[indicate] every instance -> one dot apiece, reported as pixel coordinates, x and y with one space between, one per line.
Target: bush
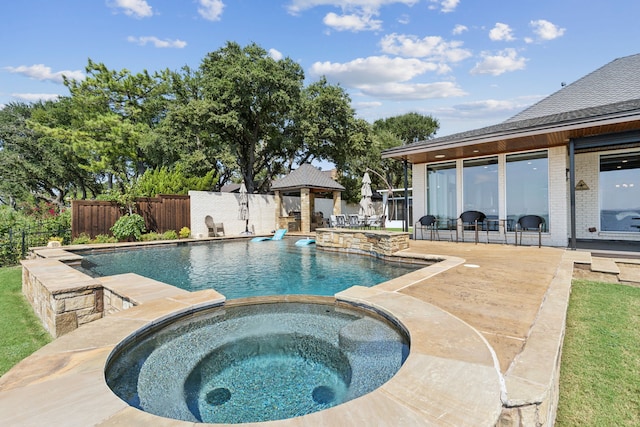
152 235
184 232
170 235
82 239
128 227
104 238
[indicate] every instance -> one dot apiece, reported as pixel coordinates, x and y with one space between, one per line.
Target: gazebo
308 180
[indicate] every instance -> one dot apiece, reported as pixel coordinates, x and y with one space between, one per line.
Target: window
527 180
441 191
620 192
480 181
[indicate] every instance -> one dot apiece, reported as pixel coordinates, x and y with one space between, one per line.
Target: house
573 158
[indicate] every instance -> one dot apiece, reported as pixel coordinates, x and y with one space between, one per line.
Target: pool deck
486 328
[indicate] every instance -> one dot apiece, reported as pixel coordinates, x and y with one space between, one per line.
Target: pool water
242 268
258 362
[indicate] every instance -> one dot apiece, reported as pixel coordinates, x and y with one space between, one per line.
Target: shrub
128 227
184 232
104 238
56 239
152 235
82 239
169 235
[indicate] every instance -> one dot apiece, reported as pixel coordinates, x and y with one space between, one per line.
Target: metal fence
15 244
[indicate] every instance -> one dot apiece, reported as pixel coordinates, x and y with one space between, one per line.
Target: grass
20 330
600 371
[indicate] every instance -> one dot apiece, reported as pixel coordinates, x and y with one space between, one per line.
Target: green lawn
600 372
20 330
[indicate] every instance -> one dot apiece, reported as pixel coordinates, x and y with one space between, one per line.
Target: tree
326 127
408 128
251 96
114 113
36 165
187 138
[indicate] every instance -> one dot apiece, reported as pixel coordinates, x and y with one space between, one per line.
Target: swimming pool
241 268
258 362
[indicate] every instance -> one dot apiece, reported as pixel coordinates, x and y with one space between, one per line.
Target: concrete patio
486 328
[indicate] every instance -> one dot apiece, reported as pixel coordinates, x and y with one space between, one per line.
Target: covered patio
310 182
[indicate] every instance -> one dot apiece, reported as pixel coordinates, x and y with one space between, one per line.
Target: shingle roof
306 176
610 91
612 83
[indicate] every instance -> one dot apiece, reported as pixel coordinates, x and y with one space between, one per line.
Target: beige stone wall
375 242
62 297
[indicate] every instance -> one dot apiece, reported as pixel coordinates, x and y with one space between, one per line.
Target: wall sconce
567 174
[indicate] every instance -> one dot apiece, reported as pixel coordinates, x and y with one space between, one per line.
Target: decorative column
278 212
305 208
337 203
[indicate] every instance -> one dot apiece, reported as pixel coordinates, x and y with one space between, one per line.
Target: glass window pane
441 191
620 192
480 182
527 180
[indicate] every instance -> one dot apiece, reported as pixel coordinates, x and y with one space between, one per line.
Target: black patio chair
532 223
428 222
470 220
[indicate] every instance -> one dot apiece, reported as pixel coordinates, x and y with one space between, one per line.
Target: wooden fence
161 213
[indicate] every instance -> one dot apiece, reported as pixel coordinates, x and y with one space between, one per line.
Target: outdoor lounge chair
215 229
533 223
470 220
278 235
429 222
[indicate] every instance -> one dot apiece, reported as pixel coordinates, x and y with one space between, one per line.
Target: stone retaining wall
374 242
62 297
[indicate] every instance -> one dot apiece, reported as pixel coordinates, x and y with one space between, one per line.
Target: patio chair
215 229
529 223
470 220
428 222
354 221
378 222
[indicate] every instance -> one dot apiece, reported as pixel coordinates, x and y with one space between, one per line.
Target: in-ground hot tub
257 362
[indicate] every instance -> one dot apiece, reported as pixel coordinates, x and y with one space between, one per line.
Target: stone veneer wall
376 242
62 297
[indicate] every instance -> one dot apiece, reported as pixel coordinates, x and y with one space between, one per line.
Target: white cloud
366 105
432 47
356 15
297 6
135 8
506 60
501 32
412 91
275 54
35 97
445 6
373 70
44 73
211 10
352 22
545 30
459 29
156 42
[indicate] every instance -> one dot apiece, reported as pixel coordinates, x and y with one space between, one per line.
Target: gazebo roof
306 176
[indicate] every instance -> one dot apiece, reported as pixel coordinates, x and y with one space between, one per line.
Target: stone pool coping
420 394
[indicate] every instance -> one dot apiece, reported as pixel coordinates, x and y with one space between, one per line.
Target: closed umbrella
366 205
243 213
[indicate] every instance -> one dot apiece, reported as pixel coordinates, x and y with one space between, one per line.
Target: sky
467 63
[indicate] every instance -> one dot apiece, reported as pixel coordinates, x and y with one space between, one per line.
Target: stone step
604 265
629 273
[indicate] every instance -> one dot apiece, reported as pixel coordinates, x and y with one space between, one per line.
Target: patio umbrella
366 205
243 213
